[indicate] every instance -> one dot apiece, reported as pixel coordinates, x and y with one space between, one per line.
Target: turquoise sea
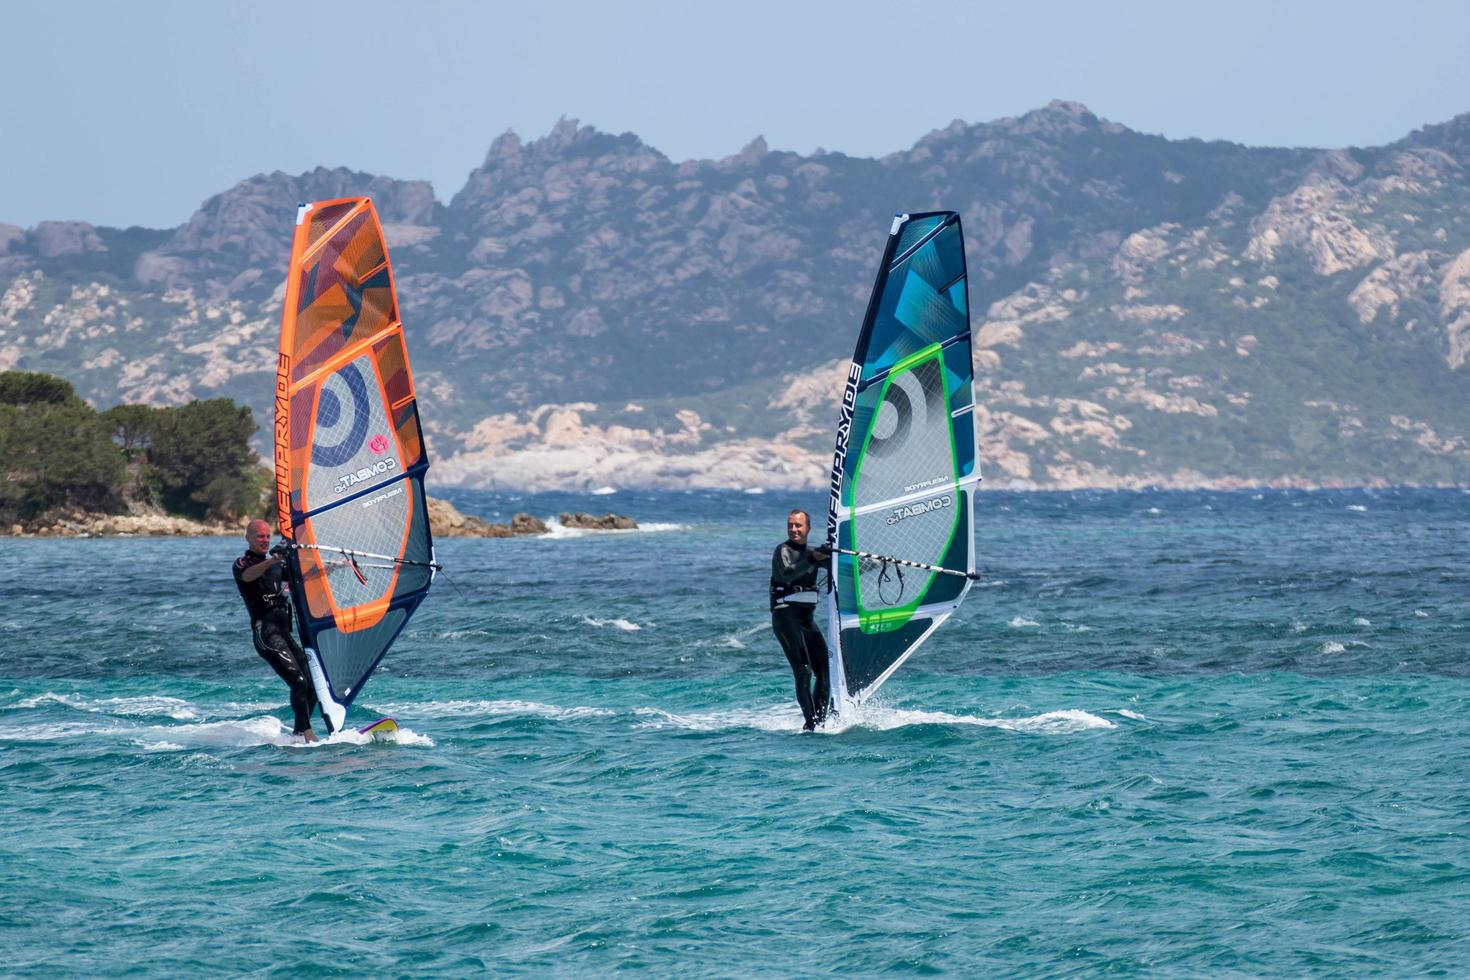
1171 733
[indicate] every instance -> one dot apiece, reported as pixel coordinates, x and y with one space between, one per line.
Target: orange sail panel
350 456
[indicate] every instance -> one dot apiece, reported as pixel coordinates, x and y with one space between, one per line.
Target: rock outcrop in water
607 522
446 521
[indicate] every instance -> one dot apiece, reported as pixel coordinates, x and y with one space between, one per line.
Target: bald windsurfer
794 600
259 574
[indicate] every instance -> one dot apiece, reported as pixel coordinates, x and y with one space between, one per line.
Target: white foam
1331 647
622 624
556 531
145 706
754 491
1357 508
228 733
604 491
249 707
1131 714
773 719
1020 622
351 736
475 709
882 718
234 733
462 634
1421 614
1362 621
50 733
872 717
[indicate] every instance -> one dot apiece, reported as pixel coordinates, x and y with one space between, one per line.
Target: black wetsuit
794 599
269 604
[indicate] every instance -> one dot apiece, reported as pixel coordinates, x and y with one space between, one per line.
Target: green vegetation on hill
194 460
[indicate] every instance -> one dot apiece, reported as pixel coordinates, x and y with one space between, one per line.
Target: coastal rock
70 523
526 524
607 522
447 521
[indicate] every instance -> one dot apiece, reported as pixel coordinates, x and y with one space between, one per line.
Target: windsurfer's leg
299 655
816 654
788 631
275 648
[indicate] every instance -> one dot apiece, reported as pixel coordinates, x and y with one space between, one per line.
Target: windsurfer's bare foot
310 736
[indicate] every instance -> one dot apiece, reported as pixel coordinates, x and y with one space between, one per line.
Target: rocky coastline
445 521
84 524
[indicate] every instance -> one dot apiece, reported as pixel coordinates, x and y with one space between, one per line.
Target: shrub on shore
57 451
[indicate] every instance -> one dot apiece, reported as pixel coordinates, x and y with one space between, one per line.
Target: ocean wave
143 706
55 732
868 717
466 708
772 719
736 640
1020 622
556 532
622 624
882 718
265 730
226 733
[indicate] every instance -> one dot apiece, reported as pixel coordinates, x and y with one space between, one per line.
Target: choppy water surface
1172 732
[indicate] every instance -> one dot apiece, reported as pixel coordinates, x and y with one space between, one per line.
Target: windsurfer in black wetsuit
258 574
794 600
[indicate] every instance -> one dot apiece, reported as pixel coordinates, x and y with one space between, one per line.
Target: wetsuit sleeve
789 564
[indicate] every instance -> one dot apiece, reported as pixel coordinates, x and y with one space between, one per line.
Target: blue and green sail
904 471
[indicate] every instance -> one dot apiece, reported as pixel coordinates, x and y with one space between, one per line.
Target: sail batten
905 468
350 455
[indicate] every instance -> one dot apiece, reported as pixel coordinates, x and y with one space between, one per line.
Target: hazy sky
134 113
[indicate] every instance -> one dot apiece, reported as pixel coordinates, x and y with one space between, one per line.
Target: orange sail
350 457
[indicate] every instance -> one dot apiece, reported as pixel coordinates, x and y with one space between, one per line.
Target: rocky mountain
585 311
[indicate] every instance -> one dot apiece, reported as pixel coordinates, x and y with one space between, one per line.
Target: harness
793 594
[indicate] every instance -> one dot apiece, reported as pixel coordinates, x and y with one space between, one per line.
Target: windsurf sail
900 515
350 456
